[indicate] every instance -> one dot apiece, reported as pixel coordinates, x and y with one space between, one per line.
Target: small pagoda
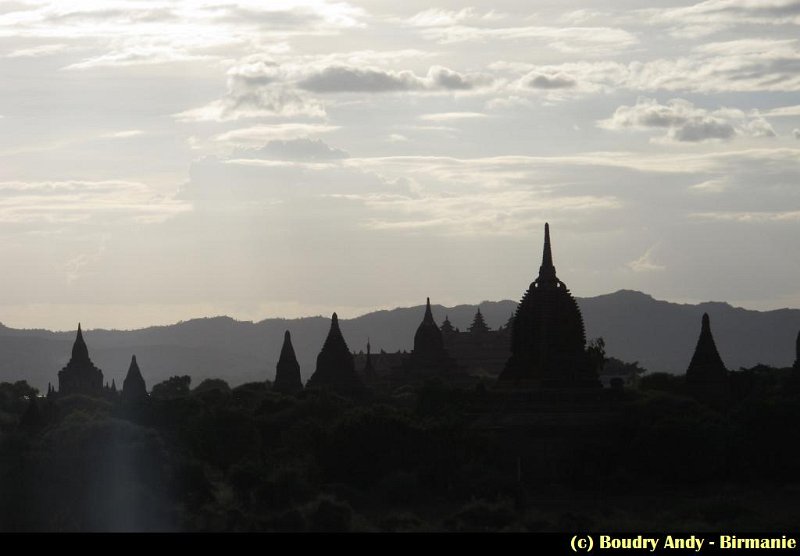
134 390
707 377
336 369
287 372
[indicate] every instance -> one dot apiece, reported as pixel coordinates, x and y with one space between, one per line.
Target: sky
162 160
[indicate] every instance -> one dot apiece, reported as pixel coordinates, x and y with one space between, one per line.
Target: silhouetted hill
658 334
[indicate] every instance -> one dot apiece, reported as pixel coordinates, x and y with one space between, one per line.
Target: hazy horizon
87 326
171 160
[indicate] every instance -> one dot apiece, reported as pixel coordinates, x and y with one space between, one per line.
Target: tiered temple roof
478 325
548 339
80 376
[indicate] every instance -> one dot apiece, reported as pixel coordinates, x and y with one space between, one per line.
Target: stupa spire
547 272
428 318
335 365
133 387
287 372
79 350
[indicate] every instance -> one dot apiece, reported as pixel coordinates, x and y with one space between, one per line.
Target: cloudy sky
162 160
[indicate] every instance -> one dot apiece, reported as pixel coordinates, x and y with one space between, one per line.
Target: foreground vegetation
214 458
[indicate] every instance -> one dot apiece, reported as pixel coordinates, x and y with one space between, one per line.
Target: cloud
129 32
710 186
796 133
749 216
742 65
711 16
646 263
296 149
783 111
593 41
264 87
37 51
437 17
684 122
83 201
536 80
125 134
347 79
340 79
450 116
261 134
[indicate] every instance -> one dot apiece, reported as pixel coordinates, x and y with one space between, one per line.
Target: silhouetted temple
478 351
707 377
797 353
336 369
478 325
80 376
133 387
287 372
429 356
548 339
369 370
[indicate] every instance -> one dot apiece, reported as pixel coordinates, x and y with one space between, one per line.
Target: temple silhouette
548 342
287 372
133 387
542 347
429 356
80 376
706 376
336 370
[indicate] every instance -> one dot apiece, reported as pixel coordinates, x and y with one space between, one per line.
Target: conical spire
133 387
706 364
79 350
287 372
335 366
428 318
113 386
428 337
547 272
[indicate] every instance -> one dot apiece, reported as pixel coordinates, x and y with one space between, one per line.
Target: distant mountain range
659 335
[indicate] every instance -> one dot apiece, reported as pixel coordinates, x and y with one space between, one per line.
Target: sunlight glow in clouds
226 156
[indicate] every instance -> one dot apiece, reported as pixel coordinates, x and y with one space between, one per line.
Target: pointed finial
287 337
547 272
368 346
706 323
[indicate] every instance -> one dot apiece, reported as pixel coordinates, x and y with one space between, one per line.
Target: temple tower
429 356
478 325
548 339
80 376
287 372
707 377
336 369
134 389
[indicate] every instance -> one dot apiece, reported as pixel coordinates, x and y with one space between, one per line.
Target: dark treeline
416 458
